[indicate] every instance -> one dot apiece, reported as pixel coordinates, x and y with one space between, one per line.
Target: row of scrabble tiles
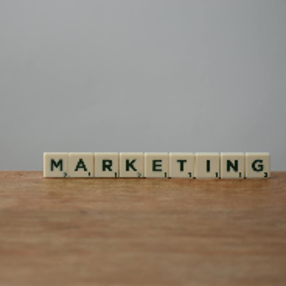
158 165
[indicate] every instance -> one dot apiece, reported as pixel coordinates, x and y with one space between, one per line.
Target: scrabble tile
156 165
232 165
181 165
55 165
81 165
131 165
257 165
106 165
207 165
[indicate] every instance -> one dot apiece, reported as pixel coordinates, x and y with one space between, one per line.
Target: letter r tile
106 165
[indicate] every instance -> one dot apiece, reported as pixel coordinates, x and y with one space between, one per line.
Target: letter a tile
81 165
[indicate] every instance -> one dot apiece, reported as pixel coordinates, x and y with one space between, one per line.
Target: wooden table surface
141 231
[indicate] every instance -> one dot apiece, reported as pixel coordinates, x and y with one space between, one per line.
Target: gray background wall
141 76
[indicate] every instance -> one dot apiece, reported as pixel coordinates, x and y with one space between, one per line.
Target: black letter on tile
59 164
155 165
106 164
260 166
80 164
208 165
130 165
182 164
234 166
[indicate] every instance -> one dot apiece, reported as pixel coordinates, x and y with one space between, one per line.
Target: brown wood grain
142 231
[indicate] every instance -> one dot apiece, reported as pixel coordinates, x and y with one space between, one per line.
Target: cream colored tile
131 165
106 165
182 165
55 165
232 165
81 165
207 165
156 165
257 165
